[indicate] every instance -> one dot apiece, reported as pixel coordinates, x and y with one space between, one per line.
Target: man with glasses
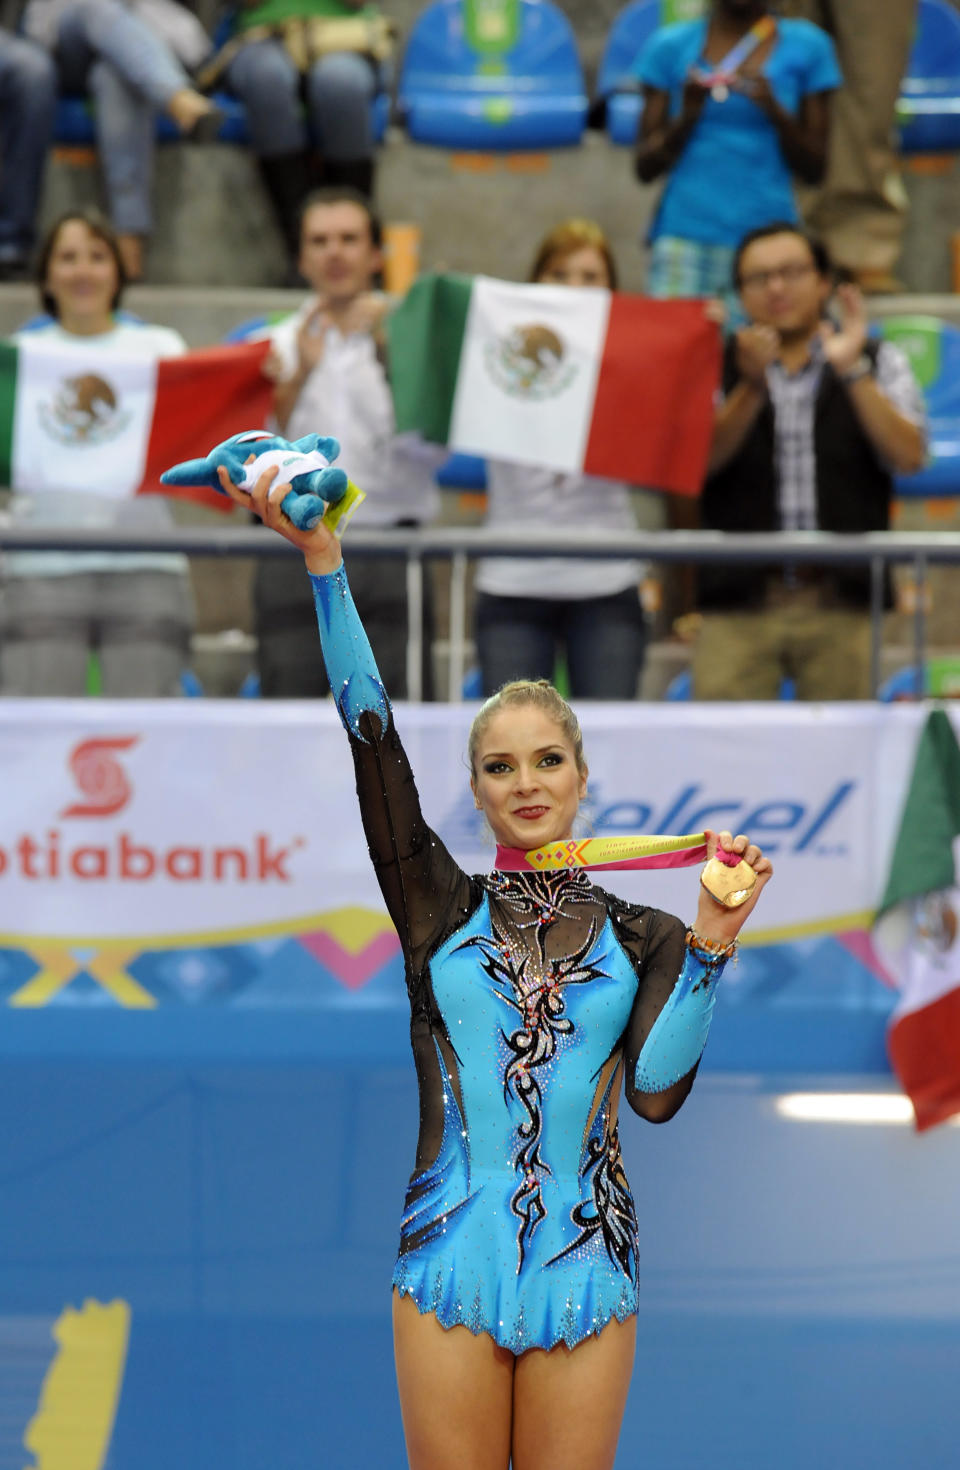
814 419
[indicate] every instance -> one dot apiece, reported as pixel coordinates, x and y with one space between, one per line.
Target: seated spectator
28 98
815 418
728 148
860 212
328 364
528 612
134 611
306 72
130 71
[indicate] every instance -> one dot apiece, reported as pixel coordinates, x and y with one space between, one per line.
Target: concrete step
476 212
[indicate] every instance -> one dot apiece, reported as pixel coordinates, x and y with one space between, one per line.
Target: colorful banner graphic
151 856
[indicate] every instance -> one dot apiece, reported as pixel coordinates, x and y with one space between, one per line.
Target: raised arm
679 971
421 884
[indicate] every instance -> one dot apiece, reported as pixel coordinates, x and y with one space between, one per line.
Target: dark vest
853 488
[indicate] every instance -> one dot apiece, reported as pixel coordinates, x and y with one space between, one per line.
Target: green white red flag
917 932
577 380
110 425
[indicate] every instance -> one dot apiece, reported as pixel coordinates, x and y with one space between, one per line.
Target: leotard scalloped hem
517 1336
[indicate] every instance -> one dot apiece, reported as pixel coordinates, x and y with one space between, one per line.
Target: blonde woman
534 997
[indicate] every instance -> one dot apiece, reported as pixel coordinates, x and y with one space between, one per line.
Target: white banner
176 820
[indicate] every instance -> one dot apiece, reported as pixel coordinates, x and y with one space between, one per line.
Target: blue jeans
28 98
603 639
338 90
131 75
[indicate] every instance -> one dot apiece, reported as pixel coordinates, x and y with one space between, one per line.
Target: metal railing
875 550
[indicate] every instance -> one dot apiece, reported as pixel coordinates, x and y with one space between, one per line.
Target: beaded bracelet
712 947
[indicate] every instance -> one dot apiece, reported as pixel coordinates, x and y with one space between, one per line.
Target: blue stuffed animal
305 462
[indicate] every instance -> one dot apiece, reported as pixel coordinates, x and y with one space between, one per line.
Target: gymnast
534 996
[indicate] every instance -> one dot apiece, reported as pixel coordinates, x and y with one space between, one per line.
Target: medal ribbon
608 853
726 70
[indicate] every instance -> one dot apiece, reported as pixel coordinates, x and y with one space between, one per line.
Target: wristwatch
862 368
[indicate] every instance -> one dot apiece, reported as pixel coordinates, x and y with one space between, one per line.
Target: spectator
59 607
527 611
861 210
729 148
131 74
28 97
287 53
815 418
328 362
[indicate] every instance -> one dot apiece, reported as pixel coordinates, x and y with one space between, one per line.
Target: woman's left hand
714 921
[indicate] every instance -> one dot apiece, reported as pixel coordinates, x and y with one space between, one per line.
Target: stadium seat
933 348
617 87
941 680
255 326
462 472
681 687
929 106
74 125
497 76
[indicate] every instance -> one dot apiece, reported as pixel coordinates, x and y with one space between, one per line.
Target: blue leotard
533 998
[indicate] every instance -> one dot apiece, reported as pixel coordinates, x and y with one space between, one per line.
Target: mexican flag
916 932
75 420
578 380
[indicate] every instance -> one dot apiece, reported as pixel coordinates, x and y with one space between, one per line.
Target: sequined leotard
532 997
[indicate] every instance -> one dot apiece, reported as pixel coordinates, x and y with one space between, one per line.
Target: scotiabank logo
100 776
124 856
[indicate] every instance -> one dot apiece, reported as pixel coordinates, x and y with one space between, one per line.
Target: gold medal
720 92
729 886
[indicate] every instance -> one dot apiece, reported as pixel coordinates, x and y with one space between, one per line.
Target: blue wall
237 1177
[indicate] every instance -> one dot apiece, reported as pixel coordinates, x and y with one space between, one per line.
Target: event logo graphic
529 362
85 410
100 776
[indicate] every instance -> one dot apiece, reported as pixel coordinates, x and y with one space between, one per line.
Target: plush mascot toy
317 491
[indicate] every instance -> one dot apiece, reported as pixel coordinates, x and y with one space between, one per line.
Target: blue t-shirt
732 176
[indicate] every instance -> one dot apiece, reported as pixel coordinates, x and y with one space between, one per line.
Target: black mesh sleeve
423 887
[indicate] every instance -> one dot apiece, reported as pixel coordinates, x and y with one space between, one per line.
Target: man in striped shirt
813 421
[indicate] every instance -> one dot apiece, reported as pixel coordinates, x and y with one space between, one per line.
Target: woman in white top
528 612
134 611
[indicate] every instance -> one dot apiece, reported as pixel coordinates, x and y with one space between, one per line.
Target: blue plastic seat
255 326
518 87
74 124
681 687
617 87
940 680
933 348
462 472
929 106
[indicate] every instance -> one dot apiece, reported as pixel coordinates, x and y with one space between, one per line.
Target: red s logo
100 777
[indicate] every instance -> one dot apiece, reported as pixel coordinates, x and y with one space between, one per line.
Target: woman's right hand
320 547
